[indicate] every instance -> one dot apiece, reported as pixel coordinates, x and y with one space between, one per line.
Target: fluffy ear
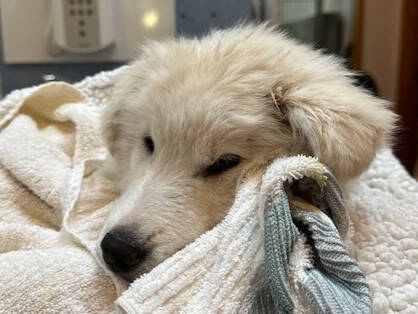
114 117
110 125
115 113
341 124
111 133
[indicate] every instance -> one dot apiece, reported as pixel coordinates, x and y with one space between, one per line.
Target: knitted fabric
331 282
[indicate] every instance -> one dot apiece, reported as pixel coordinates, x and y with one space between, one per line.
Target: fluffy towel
53 204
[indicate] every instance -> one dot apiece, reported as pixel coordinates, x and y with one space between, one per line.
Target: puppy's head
190 115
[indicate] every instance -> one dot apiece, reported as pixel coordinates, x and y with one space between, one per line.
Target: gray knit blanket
307 266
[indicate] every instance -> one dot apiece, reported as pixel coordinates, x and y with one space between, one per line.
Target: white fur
249 91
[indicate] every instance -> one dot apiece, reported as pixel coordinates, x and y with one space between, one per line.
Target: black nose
121 251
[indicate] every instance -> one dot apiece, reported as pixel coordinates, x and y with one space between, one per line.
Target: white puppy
190 115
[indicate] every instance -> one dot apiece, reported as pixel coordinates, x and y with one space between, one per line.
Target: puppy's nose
121 252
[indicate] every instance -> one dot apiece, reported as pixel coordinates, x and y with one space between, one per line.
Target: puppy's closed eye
222 164
149 144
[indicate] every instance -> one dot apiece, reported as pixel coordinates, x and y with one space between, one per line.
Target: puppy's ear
111 133
115 114
114 125
341 124
111 128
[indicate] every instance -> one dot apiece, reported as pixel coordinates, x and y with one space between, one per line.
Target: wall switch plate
82 26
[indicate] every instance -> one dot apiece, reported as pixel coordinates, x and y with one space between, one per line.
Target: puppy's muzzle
121 252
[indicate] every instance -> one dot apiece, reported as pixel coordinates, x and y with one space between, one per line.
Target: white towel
54 202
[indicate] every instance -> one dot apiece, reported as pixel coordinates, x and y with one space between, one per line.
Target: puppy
190 115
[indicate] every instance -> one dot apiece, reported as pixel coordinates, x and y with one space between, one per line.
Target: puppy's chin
131 276
145 267
137 272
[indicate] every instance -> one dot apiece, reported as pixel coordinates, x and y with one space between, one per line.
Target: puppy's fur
248 91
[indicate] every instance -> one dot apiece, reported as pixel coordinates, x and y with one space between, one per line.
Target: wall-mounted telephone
82 26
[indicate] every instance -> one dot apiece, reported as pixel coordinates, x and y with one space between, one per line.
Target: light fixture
150 18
